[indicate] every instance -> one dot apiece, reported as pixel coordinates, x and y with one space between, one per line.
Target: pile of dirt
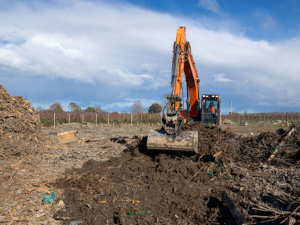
156 188
209 137
142 187
20 130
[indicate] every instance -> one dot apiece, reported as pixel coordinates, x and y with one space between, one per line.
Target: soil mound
209 137
20 130
173 188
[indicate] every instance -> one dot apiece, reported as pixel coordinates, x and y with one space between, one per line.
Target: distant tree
74 107
39 109
137 107
98 109
90 109
56 107
155 108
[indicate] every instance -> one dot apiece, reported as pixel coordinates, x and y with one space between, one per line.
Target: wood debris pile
20 130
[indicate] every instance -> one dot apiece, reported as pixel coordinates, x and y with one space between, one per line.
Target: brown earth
107 174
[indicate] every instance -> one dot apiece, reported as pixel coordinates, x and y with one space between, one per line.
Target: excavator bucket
185 141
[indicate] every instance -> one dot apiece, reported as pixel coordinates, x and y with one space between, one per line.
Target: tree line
137 107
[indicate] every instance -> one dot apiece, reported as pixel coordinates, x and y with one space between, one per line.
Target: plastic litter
234 152
194 158
140 213
228 178
222 167
276 146
210 173
48 199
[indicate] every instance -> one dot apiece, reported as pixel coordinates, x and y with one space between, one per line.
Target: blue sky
113 53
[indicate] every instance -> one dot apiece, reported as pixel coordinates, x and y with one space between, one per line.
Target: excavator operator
212 108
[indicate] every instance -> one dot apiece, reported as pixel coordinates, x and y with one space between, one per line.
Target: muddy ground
103 181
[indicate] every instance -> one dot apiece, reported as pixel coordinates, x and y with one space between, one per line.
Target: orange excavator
170 138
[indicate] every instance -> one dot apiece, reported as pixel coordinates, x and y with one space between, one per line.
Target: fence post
141 118
131 118
160 119
54 119
82 117
39 118
96 118
108 118
69 118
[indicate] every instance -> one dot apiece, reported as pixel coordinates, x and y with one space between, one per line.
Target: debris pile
20 130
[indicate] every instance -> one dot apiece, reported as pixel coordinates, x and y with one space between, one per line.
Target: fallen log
289 133
249 173
67 137
94 140
233 209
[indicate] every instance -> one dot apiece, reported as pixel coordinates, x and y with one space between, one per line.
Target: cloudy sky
113 53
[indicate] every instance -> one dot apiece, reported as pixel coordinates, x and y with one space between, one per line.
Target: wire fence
257 117
50 118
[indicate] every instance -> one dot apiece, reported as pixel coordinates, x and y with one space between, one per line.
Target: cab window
211 103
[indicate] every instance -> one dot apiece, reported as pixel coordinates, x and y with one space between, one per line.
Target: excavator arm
182 63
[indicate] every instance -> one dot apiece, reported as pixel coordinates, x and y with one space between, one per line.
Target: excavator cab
210 109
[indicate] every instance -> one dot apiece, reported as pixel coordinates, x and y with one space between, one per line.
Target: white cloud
265 104
264 20
150 66
221 78
127 79
211 5
108 45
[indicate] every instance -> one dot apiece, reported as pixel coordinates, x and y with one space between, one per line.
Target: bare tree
39 109
74 107
56 107
137 107
98 108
